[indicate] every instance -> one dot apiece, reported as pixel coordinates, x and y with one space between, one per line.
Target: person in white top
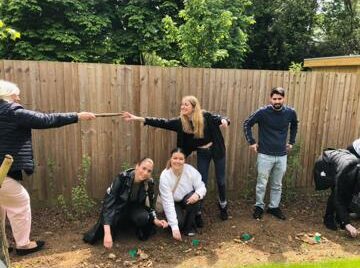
354 148
181 189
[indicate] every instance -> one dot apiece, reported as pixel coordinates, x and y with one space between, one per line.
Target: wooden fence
327 105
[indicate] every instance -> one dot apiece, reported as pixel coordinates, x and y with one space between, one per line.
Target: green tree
283 33
340 28
237 45
64 30
204 37
7 32
138 29
94 31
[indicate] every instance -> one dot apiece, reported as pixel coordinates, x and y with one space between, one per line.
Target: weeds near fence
80 204
292 172
51 174
249 185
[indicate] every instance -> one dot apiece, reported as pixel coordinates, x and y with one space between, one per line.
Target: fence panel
327 105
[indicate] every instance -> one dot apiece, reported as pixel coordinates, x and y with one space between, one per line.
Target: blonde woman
16 124
197 130
181 189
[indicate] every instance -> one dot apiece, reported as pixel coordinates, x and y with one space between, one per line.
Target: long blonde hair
197 118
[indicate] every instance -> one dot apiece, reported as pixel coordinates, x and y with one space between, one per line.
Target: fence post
4 254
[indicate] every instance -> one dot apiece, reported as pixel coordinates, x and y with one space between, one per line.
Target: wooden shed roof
333 61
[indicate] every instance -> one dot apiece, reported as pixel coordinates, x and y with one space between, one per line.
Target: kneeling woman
181 188
129 200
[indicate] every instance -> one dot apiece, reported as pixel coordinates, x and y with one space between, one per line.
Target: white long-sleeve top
190 180
356 145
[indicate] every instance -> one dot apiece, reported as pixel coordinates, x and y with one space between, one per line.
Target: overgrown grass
289 192
343 263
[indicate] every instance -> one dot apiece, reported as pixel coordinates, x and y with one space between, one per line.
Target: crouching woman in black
341 169
129 200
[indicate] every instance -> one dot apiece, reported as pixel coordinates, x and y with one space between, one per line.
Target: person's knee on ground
189 225
144 228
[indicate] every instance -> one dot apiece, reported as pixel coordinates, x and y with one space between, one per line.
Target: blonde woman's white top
190 180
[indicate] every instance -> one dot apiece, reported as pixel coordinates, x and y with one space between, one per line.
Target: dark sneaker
190 232
258 213
277 213
199 221
223 213
22 252
330 223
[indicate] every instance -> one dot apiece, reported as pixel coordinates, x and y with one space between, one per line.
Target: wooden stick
5 166
108 114
4 254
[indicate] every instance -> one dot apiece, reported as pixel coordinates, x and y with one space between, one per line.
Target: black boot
143 233
199 221
223 213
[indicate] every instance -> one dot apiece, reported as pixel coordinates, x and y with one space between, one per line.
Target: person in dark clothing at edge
343 170
130 200
273 121
16 124
197 130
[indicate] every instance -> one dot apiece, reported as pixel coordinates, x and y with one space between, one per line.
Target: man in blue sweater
273 121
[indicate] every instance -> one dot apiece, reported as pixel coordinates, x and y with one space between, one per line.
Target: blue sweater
273 129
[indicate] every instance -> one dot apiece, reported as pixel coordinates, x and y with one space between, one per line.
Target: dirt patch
220 242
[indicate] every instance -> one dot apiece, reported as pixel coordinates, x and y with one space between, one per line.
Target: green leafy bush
80 204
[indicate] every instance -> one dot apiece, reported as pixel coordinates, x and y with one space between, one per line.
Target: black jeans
186 215
204 156
135 216
139 218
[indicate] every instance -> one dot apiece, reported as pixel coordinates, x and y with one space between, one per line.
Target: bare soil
219 242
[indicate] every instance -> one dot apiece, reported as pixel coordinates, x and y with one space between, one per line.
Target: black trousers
135 216
186 214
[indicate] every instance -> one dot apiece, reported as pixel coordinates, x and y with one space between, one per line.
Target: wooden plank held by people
108 114
5 167
4 254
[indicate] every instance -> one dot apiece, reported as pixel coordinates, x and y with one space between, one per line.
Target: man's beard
277 106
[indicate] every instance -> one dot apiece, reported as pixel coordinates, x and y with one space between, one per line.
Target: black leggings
138 217
186 215
135 216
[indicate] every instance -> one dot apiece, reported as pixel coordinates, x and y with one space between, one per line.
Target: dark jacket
345 168
116 203
15 132
185 140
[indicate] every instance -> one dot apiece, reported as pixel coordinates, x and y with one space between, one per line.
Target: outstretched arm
38 120
173 124
131 117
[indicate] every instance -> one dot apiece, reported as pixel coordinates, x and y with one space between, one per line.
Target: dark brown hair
277 90
176 150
